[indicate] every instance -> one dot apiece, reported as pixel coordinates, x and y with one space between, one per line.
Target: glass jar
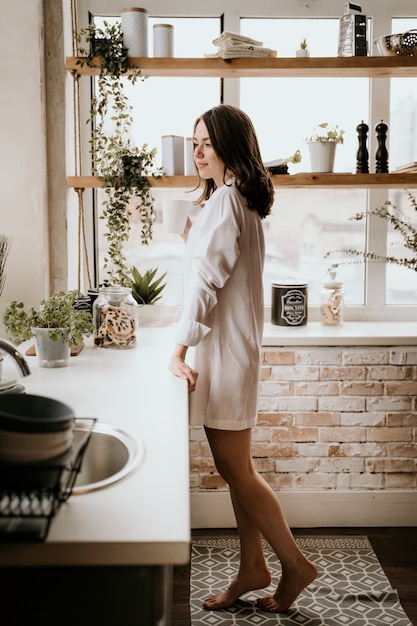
332 301
115 317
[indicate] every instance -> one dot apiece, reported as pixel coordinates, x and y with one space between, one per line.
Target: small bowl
34 414
404 44
34 428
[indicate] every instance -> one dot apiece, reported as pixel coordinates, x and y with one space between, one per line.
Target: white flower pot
302 52
322 155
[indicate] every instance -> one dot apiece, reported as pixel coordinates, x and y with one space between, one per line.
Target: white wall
22 152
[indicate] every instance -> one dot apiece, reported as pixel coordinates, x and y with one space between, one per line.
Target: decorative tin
163 40
135 31
289 304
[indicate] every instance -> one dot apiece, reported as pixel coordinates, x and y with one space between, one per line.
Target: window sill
346 334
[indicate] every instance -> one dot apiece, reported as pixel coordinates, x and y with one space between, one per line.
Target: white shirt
223 310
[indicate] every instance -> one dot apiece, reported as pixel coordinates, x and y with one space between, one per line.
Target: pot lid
332 283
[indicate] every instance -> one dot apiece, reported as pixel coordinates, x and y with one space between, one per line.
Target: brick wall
330 418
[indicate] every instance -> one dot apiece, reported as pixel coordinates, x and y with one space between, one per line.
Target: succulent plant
145 289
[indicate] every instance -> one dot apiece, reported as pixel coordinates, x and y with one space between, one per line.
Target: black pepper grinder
362 155
381 155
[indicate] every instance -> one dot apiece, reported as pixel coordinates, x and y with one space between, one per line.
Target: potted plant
303 50
402 225
322 146
57 326
123 167
147 290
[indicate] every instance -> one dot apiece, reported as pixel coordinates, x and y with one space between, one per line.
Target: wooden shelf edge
395 180
315 67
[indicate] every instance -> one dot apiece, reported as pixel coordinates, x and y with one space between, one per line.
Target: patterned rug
351 589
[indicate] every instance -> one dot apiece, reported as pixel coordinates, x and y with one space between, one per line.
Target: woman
223 318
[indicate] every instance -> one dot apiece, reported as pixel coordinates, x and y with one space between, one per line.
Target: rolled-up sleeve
214 253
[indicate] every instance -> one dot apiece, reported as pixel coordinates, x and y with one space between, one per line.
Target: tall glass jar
332 301
115 317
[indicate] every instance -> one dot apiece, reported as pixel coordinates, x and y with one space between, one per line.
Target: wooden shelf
396 180
314 67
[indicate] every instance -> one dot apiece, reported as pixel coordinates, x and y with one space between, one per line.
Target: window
306 223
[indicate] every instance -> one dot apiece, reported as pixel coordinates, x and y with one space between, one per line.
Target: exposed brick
406 356
295 434
273 388
322 356
343 373
212 482
299 372
275 419
361 389
389 434
318 418
316 389
391 466
329 418
266 373
341 403
404 388
277 357
390 372
402 450
363 419
365 357
343 434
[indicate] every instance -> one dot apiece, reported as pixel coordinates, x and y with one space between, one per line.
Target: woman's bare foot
290 586
243 583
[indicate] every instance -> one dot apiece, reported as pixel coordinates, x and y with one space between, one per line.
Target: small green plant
303 44
327 132
55 313
146 289
401 224
295 158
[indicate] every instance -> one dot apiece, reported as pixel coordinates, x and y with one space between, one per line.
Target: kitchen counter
144 519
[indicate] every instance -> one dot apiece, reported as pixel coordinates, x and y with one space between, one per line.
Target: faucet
11 349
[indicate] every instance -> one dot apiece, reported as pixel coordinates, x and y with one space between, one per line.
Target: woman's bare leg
253 570
231 452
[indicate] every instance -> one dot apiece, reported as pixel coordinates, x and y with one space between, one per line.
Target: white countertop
144 519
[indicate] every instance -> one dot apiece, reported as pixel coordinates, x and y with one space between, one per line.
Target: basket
31 493
391 45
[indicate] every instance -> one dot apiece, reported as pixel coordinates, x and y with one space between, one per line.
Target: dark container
289 304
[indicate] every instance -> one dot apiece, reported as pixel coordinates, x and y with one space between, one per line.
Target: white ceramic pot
302 52
322 155
135 31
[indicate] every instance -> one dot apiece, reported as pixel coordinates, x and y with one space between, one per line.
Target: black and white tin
289 304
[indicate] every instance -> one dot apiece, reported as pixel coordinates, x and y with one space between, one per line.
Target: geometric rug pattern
351 588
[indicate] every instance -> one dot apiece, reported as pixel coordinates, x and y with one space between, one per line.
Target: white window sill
346 334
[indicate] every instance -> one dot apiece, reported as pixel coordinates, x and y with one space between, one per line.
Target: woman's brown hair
235 143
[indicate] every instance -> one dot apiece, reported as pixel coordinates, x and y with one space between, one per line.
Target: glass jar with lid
332 300
115 318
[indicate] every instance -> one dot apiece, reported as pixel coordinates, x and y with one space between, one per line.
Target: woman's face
206 160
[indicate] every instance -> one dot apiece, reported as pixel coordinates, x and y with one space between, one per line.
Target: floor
396 549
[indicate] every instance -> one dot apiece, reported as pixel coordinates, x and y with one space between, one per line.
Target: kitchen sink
111 455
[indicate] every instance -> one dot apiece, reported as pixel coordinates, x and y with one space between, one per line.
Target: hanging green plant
124 168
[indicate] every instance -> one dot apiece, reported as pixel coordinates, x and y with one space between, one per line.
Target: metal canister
289 303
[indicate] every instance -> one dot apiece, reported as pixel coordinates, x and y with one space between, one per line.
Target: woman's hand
179 367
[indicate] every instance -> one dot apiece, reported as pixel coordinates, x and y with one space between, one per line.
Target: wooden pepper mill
381 155
362 155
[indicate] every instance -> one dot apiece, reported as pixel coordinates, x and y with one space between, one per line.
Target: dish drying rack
31 493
